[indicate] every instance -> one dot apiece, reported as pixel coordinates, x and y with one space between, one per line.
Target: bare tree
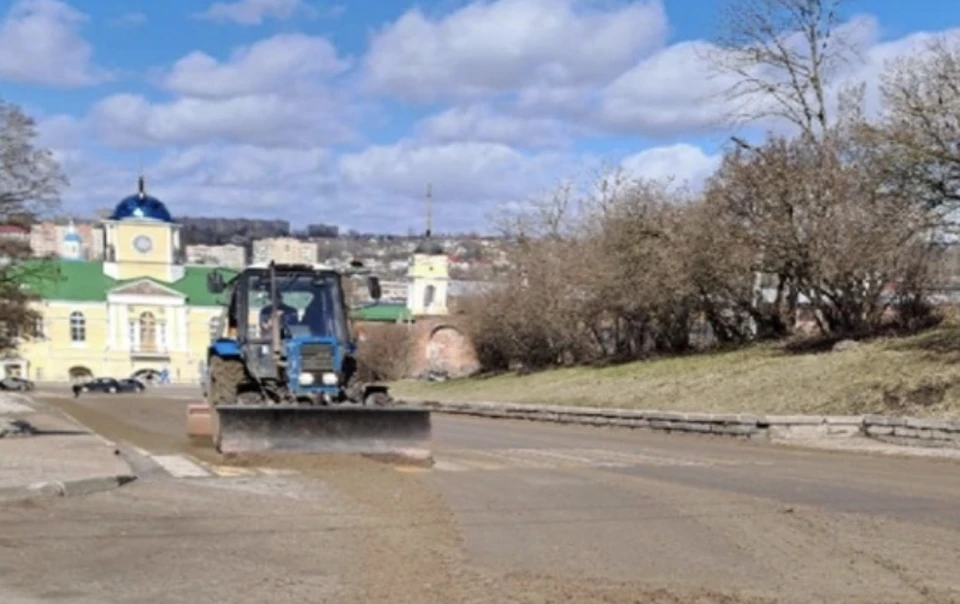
779 57
30 181
385 351
822 218
920 127
30 178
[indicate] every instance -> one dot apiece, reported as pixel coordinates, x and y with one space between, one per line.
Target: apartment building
67 239
229 255
285 250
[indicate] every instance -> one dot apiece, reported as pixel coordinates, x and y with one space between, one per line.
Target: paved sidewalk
52 455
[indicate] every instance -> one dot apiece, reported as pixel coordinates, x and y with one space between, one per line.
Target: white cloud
40 43
878 56
280 62
276 92
510 45
668 92
469 180
479 123
676 92
252 12
269 120
682 162
247 180
60 132
245 167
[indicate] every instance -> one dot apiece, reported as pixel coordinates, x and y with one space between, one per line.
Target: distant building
427 278
52 239
285 250
229 255
15 232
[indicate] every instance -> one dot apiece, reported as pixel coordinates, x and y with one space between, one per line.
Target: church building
137 312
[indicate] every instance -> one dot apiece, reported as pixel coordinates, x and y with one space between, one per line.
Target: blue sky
342 112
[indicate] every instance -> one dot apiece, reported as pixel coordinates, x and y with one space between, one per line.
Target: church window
78 327
148 332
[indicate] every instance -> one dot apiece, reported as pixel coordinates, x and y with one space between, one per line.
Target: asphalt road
512 512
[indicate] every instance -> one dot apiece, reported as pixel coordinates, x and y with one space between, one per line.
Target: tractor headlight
306 379
330 379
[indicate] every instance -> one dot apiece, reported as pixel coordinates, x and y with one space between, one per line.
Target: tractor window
308 305
323 314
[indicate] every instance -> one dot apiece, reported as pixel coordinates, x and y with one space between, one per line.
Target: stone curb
64 488
894 430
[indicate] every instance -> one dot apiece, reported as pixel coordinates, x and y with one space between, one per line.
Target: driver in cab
286 314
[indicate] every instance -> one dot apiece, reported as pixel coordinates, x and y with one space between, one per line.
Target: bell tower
429 271
142 239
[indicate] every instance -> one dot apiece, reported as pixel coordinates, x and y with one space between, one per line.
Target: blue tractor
283 373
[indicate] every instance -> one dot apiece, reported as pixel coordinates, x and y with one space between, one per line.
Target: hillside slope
918 375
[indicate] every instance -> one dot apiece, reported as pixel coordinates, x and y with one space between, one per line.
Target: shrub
385 351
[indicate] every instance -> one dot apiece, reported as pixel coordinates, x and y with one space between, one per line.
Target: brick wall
442 346
438 345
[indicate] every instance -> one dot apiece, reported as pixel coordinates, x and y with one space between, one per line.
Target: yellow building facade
428 276
138 312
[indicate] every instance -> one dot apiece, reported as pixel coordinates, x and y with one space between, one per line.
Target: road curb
64 488
907 431
69 488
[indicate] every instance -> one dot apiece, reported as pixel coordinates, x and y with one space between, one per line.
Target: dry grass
919 375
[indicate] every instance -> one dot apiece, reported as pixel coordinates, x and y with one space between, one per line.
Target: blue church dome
141 207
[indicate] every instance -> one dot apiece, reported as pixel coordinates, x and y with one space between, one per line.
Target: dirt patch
120 421
413 551
532 588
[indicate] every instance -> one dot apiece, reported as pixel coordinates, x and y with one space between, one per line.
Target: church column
162 325
112 326
124 327
172 337
184 341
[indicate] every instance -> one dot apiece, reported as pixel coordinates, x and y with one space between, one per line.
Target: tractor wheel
225 378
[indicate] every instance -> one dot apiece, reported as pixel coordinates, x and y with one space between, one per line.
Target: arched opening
78 327
429 294
147 376
148 332
449 353
79 373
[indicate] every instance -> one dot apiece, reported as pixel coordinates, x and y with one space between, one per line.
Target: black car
16 383
108 384
132 385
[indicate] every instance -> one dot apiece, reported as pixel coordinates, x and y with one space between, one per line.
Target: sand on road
353 530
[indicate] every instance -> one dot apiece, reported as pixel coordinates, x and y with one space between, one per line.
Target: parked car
16 383
108 384
133 384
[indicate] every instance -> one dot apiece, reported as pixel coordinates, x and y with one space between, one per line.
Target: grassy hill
917 375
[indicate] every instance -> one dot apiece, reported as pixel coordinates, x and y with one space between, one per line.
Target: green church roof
382 312
78 281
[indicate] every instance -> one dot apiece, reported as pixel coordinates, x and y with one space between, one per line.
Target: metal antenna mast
429 202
